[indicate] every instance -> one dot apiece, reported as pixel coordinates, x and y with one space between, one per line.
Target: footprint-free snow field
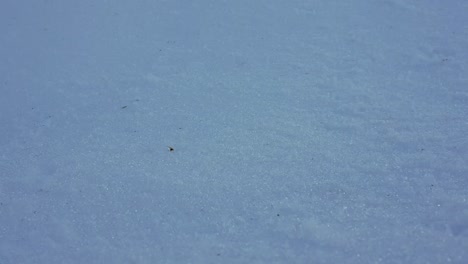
302 131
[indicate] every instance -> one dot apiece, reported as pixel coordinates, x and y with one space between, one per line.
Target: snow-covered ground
304 131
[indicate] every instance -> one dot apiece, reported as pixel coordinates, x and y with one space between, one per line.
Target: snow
303 131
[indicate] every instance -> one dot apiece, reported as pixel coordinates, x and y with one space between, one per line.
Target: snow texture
303 131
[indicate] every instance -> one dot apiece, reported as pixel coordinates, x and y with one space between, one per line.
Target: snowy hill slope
303 131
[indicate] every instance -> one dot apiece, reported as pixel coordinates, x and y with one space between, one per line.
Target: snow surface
304 131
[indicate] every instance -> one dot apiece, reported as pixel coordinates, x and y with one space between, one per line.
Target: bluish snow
303 131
